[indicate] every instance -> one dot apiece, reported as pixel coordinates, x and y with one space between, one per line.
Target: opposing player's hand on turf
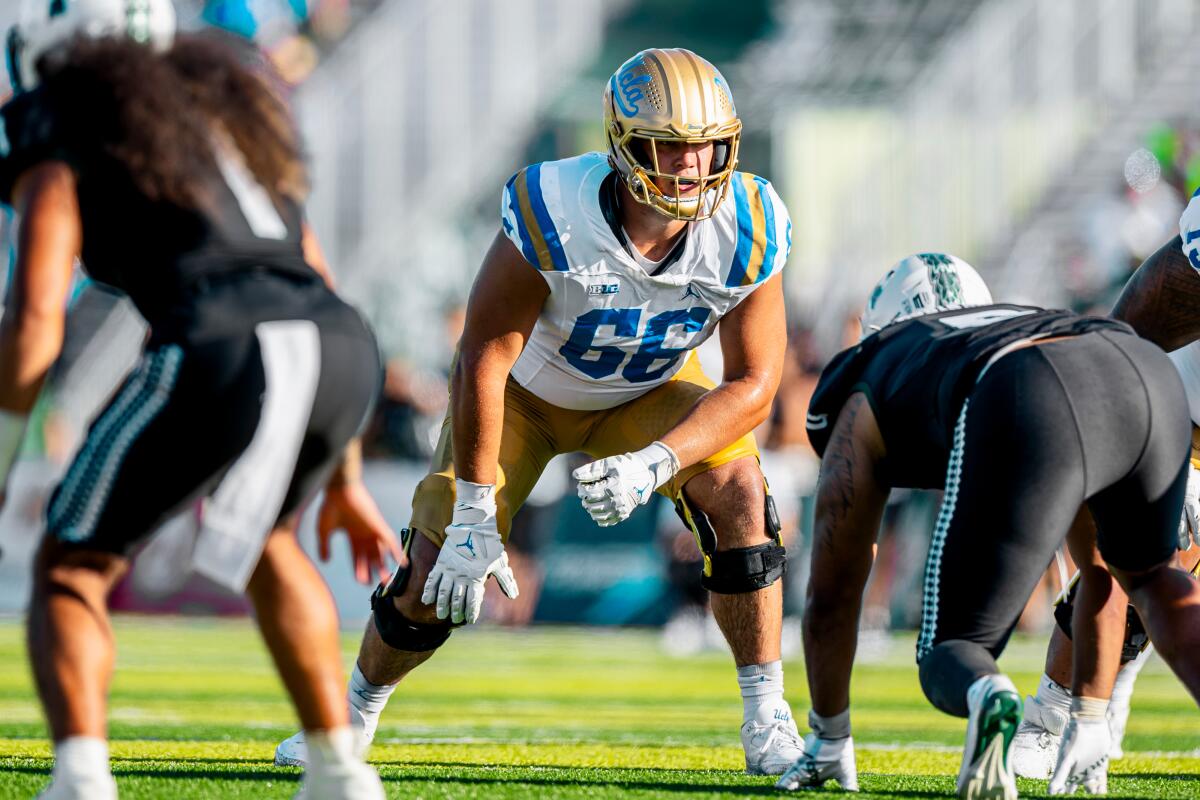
1189 523
472 552
350 507
1083 757
823 760
613 487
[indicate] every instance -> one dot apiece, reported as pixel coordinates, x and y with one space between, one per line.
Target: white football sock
367 697
1122 691
1054 695
80 757
762 693
330 749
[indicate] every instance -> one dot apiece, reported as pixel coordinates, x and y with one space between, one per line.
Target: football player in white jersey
610 269
1162 303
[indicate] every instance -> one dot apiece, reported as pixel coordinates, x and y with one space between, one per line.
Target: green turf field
542 713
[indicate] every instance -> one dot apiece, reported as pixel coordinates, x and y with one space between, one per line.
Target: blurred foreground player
170 166
609 271
1022 416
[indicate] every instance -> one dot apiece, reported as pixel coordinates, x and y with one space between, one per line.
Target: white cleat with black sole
995 714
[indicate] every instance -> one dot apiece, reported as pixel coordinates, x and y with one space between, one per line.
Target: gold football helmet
671 96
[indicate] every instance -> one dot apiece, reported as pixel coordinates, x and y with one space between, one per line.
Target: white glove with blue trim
472 552
611 488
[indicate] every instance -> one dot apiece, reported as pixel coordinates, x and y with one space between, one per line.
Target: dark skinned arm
49 238
850 503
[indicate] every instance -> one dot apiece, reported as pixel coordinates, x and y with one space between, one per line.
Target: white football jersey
1187 359
609 331
1189 230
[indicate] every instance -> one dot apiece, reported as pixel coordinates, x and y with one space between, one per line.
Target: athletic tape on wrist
1088 707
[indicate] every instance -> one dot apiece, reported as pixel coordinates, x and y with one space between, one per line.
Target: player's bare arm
1162 299
504 305
753 342
50 236
850 503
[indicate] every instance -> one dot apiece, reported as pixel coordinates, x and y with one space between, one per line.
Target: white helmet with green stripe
925 283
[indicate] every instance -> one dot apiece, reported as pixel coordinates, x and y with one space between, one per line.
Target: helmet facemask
643 172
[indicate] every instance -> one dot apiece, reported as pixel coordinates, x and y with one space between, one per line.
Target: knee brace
741 569
396 630
1136 638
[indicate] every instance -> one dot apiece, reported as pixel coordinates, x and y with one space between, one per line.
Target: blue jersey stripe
549 233
527 248
745 235
768 264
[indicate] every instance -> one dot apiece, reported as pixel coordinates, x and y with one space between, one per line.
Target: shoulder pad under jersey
754 231
544 207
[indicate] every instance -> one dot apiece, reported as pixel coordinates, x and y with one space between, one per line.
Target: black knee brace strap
400 633
746 569
1136 638
396 630
742 569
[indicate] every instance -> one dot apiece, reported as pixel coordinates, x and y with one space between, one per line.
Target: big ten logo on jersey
660 342
604 288
630 87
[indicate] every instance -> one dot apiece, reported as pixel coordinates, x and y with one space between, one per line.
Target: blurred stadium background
1053 143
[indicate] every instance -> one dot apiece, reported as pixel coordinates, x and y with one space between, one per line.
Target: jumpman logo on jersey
690 291
468 544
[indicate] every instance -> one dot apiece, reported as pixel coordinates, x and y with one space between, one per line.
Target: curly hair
160 114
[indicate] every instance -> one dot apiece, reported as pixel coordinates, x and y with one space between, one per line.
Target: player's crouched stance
1022 416
610 269
184 192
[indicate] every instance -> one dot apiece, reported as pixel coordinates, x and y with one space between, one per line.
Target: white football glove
1083 757
472 551
823 759
613 487
1189 523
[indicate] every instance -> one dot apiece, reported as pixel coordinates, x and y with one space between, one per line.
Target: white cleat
995 713
771 749
1035 748
356 781
293 751
65 787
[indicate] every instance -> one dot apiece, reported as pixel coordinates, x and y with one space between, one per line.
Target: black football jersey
917 373
153 250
